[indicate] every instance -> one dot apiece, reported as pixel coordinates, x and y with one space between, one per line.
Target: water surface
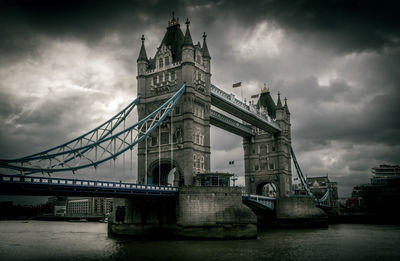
44 240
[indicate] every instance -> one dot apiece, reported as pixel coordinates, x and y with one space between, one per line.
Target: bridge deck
228 124
228 103
259 201
24 185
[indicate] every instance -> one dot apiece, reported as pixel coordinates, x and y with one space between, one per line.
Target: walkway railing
76 183
262 200
229 98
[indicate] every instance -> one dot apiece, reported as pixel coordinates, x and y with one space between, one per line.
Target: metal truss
303 180
97 146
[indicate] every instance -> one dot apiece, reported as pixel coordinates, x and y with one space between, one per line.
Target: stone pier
299 212
198 212
214 212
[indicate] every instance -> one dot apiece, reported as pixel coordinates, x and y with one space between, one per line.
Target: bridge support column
143 217
214 212
299 212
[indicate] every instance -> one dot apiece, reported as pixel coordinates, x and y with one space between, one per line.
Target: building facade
79 208
267 157
180 147
89 207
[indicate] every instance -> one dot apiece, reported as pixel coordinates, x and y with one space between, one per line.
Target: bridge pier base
143 217
214 213
299 212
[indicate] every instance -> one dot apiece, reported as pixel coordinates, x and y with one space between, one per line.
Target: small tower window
173 76
164 138
153 141
167 77
161 64
154 80
167 61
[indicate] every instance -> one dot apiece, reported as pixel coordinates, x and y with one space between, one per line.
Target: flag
254 96
238 84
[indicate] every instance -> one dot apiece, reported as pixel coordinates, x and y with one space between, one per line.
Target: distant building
90 207
79 207
214 179
60 211
320 185
101 206
381 196
386 175
54 205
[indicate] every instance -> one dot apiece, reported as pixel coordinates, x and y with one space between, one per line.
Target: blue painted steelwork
319 201
81 157
17 185
300 174
263 201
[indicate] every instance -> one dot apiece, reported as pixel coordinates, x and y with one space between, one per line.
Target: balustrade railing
230 98
82 183
263 200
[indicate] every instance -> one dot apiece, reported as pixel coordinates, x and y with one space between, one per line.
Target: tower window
154 80
166 61
153 141
161 63
172 75
167 77
164 137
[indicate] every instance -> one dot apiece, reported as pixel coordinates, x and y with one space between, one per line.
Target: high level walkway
228 103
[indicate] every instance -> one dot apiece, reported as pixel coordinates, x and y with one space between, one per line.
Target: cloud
67 66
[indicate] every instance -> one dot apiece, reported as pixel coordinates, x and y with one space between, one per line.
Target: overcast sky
67 66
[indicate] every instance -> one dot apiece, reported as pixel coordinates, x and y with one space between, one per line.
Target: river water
44 240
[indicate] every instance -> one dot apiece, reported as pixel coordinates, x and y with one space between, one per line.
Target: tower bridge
175 106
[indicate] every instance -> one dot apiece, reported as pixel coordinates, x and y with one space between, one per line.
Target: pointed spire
206 54
142 54
279 103
187 41
286 106
174 21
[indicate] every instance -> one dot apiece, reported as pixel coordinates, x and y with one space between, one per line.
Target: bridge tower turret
142 64
177 61
267 155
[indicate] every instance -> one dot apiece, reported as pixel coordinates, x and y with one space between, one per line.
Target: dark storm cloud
343 125
345 26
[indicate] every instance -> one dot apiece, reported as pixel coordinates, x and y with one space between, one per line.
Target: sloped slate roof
174 38
267 102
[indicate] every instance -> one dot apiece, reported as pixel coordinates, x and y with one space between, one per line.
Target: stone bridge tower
177 61
267 156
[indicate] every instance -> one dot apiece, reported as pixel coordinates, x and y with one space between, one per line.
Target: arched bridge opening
165 172
267 189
